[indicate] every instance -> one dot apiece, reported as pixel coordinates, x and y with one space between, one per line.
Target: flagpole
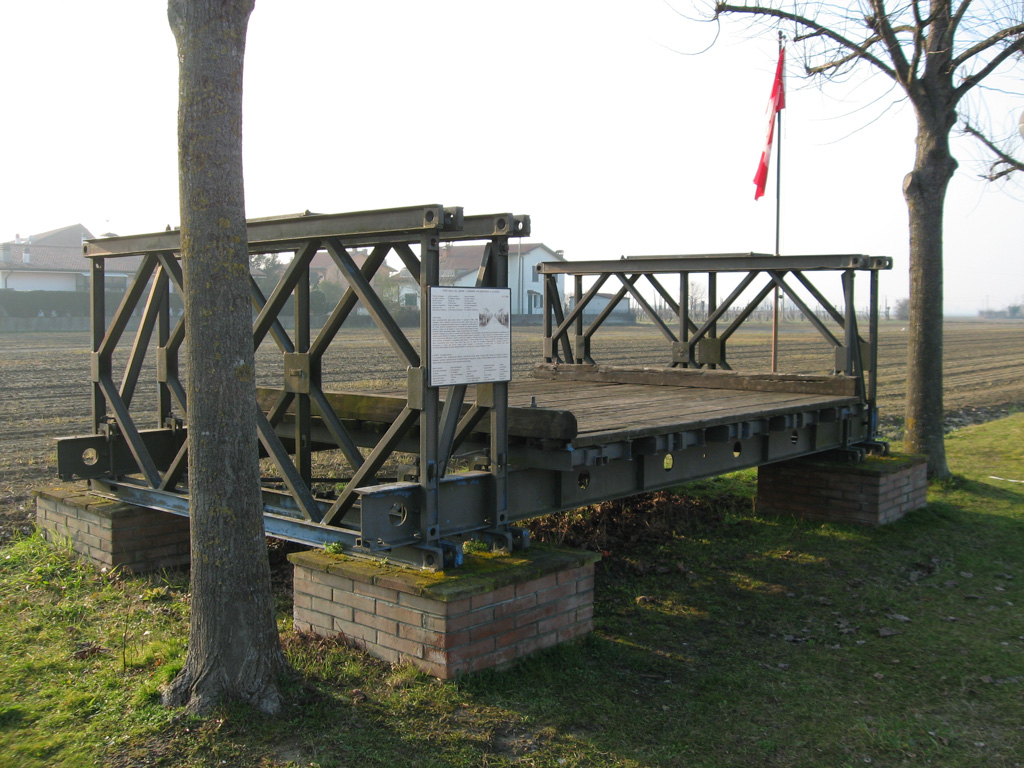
778 207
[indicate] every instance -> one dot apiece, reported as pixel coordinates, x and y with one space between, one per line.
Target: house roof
58 250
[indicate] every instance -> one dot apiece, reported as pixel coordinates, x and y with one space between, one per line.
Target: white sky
577 113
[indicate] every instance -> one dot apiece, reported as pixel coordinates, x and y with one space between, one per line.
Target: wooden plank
691 377
541 423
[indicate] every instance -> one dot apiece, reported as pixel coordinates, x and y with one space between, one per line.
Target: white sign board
470 336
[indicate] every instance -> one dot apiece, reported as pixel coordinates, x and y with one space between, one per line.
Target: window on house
81 282
536 273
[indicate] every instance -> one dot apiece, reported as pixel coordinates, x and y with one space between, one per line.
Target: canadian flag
776 104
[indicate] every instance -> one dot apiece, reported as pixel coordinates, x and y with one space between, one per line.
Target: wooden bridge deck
584 406
614 412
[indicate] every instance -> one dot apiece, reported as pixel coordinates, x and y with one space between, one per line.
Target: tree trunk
925 192
234 650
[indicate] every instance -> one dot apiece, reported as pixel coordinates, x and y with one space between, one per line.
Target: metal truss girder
287 232
722 262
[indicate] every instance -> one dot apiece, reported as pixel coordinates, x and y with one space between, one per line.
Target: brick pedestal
875 492
490 612
112 534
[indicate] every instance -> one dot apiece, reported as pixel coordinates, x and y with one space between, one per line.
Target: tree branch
818 30
1011 163
958 16
879 22
1016 47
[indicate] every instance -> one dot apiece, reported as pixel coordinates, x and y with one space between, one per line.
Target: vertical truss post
850 338
684 319
498 412
712 306
98 321
427 398
580 344
163 332
549 312
872 390
303 415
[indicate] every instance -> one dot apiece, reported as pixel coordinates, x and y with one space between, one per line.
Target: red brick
375 591
403 646
536 614
516 636
355 630
556 622
440 640
357 602
377 622
537 585
492 628
492 598
472 650
516 606
468 620
555 593
574 574
400 613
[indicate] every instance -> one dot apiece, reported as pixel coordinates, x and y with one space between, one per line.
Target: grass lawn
738 641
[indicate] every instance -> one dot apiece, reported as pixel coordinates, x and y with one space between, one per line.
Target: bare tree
234 651
937 52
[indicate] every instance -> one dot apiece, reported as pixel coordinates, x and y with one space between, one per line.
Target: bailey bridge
477 451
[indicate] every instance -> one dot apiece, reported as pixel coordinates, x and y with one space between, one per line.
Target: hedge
58 303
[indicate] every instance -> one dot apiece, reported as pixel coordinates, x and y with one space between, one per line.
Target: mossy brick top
871 466
78 496
480 573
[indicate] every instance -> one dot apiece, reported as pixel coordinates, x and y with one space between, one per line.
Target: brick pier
492 611
876 491
112 534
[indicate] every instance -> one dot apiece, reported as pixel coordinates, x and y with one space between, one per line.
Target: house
322 269
621 312
459 264
53 261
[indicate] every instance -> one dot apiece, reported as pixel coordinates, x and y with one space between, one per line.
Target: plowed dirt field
45 390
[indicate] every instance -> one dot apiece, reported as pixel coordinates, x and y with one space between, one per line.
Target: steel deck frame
528 460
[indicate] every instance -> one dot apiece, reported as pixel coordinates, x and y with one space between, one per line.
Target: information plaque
470 336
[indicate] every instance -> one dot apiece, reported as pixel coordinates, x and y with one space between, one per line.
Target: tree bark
234 650
925 192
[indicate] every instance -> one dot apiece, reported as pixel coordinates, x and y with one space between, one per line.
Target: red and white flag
776 104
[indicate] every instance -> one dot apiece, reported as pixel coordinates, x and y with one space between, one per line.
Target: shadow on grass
738 641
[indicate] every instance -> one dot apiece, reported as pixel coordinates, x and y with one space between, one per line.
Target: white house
622 312
459 265
53 261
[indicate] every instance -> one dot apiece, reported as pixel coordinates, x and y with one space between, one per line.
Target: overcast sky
584 115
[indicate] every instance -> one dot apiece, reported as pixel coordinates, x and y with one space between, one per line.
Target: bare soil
45 390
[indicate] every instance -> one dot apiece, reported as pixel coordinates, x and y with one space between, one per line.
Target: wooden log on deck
839 385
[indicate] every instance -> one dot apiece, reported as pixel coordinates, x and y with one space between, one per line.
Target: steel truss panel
420 517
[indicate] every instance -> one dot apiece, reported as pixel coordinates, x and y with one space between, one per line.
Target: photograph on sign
470 336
